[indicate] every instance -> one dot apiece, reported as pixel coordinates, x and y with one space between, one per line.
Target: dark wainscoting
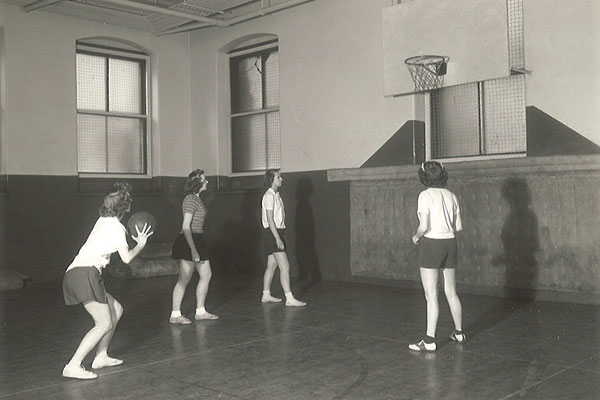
46 219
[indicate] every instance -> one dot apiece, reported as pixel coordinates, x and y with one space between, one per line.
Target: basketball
139 219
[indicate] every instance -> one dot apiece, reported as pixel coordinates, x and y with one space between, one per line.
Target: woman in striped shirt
191 249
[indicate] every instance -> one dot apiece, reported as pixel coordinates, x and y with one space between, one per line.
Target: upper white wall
332 110
562 49
39 93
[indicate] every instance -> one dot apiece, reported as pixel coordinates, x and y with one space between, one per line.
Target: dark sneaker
460 338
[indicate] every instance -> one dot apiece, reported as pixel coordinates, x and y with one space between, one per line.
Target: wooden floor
349 343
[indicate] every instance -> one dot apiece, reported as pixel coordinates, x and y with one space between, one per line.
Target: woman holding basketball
439 218
191 249
273 221
83 284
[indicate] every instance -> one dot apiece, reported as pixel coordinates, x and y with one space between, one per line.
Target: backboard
472 33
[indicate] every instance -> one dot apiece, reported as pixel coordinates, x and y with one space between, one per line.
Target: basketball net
427 72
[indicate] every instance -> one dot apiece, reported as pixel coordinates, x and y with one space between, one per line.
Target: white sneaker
422 346
205 315
267 298
102 362
77 372
292 302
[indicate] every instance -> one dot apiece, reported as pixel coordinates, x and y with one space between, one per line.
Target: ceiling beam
165 11
237 20
40 4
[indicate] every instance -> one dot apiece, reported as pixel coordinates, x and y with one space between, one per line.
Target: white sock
176 314
200 311
289 295
266 292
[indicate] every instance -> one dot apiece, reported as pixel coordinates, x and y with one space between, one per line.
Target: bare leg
100 313
284 278
269 272
429 278
186 269
205 273
452 296
102 359
102 326
268 280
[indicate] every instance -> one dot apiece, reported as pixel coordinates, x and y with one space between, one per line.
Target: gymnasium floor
349 343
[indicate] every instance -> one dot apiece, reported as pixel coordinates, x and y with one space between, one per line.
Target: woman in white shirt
273 221
439 219
83 284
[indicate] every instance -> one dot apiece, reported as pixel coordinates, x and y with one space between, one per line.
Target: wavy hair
433 174
269 178
117 202
194 182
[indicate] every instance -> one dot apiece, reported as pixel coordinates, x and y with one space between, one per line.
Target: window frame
270 45
119 53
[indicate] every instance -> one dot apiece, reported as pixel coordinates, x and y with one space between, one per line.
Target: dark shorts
181 250
437 253
83 284
269 242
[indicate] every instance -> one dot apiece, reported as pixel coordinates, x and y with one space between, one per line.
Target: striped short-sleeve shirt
193 205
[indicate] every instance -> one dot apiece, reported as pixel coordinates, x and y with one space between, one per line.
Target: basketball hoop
427 72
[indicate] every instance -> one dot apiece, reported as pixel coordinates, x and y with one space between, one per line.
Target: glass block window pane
91 143
249 145
125 83
125 145
247 85
91 82
272 80
273 141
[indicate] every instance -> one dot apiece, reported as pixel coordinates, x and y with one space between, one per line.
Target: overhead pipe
237 20
40 4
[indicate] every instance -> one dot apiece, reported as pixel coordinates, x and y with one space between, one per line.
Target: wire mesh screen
255 128
484 118
455 121
516 41
504 117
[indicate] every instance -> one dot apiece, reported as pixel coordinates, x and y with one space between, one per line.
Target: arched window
113 116
255 128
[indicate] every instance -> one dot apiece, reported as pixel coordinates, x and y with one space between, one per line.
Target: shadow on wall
520 242
306 252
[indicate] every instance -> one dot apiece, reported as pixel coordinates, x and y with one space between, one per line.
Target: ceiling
160 17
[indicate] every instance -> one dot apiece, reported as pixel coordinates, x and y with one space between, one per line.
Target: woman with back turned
83 284
439 218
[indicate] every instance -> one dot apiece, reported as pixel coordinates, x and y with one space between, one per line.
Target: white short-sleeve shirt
106 237
272 201
444 212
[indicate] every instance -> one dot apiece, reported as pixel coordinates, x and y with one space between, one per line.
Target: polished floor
348 343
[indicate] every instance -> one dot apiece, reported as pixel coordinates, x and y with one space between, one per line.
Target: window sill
102 185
